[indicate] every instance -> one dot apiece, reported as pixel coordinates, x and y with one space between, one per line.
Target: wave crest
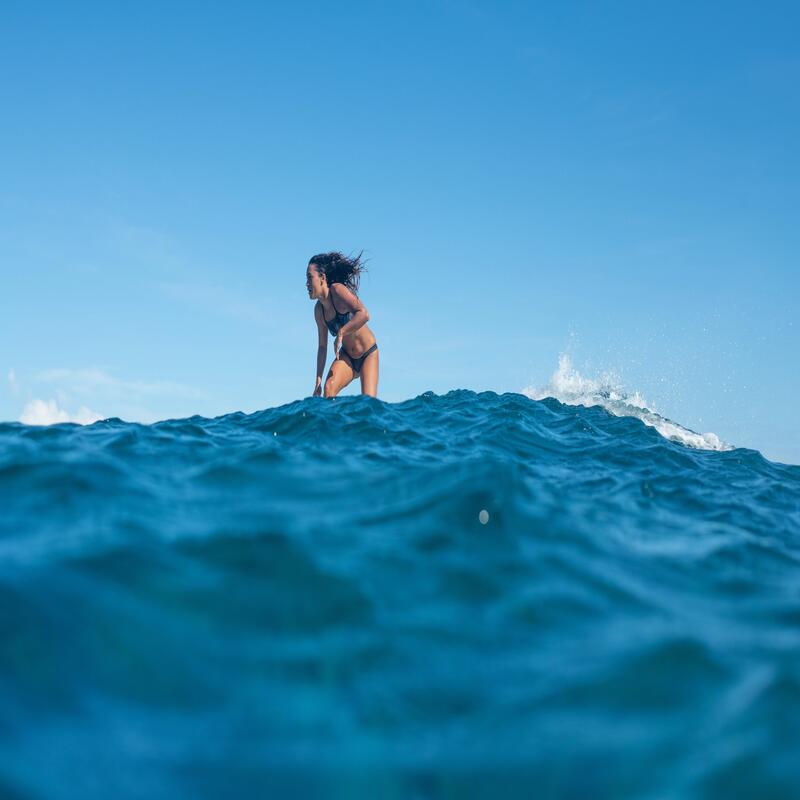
568 386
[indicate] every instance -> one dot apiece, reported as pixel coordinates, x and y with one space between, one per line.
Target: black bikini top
338 321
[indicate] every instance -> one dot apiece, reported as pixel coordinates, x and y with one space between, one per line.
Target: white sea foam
568 386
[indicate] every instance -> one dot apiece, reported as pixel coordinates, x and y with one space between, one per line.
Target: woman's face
314 282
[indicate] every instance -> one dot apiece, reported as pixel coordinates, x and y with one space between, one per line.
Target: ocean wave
442 596
568 386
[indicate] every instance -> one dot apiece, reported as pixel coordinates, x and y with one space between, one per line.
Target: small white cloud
43 412
12 381
93 387
48 412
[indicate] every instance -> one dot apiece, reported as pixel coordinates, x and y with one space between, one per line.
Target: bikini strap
336 310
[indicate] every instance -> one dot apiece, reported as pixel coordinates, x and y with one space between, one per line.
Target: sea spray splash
568 386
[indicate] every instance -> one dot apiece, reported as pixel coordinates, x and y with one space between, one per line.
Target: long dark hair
338 268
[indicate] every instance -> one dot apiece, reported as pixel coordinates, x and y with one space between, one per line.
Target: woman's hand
318 388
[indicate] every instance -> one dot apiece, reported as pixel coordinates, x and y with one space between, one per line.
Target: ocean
459 595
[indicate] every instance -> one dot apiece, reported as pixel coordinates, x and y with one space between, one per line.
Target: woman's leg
339 375
369 374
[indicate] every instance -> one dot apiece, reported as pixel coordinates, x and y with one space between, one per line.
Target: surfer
332 279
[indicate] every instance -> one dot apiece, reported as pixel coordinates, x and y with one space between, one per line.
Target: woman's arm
322 347
344 297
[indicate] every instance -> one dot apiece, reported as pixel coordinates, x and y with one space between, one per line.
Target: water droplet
483 516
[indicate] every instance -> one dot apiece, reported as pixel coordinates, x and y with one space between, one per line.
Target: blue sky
619 182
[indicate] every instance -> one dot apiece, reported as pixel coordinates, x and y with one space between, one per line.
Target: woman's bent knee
331 389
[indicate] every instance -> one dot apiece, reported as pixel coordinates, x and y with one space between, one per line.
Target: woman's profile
332 279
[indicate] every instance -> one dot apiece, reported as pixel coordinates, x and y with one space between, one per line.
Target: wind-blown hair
338 268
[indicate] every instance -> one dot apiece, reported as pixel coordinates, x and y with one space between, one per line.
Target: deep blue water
305 600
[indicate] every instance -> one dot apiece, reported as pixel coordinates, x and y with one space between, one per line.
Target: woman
332 279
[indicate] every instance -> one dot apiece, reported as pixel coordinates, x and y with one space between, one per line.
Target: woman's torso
354 343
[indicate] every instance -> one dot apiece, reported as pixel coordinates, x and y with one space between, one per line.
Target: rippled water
455 596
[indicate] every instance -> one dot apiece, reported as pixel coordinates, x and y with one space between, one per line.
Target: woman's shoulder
342 292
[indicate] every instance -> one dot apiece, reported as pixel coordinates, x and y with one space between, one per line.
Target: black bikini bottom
356 363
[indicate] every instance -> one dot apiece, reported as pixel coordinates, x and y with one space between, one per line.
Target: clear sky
617 181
